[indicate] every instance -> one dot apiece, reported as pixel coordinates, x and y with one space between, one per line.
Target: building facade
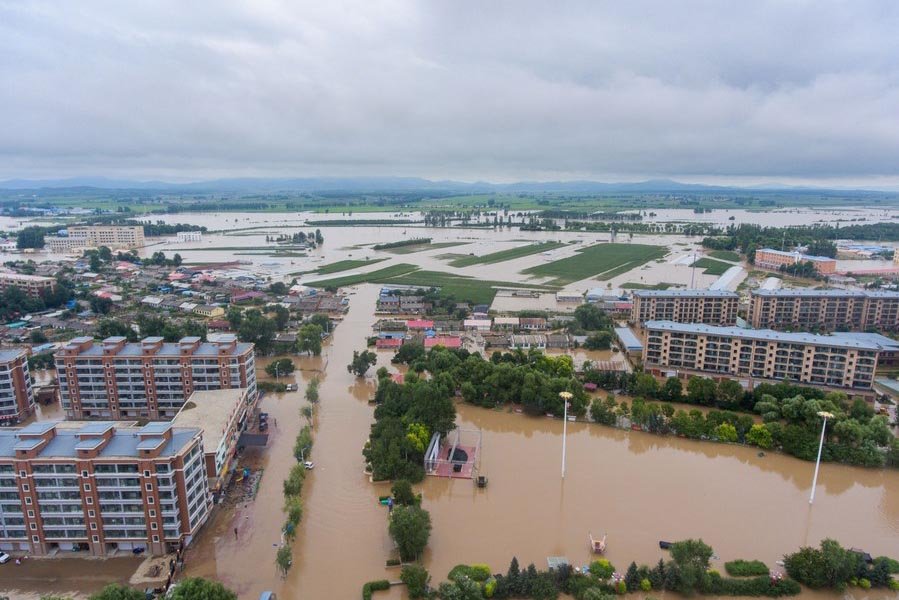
685 306
94 236
767 258
831 361
34 286
16 391
98 488
115 379
828 310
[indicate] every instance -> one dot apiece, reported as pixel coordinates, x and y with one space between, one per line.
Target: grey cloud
472 90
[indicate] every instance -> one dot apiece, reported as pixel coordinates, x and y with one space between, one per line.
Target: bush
294 509
402 492
622 588
755 586
416 579
393 562
746 568
490 587
645 585
379 585
602 568
293 485
474 572
864 584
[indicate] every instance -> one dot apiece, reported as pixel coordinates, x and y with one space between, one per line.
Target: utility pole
824 415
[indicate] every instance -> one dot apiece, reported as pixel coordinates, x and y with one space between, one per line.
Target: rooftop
211 412
796 254
685 294
628 339
23 277
837 339
125 442
11 354
830 293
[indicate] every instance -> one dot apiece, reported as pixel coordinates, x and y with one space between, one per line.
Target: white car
4 557
309 464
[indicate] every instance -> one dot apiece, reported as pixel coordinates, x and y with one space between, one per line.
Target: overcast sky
739 91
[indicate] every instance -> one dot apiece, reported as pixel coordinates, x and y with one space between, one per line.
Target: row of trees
531 379
254 326
190 588
855 435
832 566
406 417
293 485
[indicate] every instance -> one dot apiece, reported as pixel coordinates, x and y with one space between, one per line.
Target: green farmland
712 266
603 261
504 255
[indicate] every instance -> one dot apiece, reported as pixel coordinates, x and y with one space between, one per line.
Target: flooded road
637 488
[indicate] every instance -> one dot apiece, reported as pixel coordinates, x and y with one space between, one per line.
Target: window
96 538
26 487
146 473
35 539
154 526
149 487
84 473
87 487
151 500
22 474
93 527
155 538
33 526
30 514
91 514
90 500
152 513
28 500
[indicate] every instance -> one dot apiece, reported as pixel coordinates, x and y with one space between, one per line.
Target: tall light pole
565 396
824 415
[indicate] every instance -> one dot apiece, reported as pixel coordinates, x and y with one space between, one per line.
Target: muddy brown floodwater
637 488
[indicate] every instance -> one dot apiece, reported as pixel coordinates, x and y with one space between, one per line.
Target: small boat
598 546
664 545
481 481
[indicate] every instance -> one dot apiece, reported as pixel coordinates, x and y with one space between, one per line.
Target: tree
831 566
284 559
309 339
726 432
278 288
312 391
409 353
760 436
729 392
280 367
319 238
601 340
195 588
257 330
234 316
591 318
104 253
118 592
100 306
37 337
701 390
114 327
402 492
692 560
30 237
672 390
646 386
416 579
282 316
177 260
410 528
362 361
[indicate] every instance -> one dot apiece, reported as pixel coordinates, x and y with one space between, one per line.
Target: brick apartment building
115 379
16 391
685 306
828 310
98 487
34 286
833 361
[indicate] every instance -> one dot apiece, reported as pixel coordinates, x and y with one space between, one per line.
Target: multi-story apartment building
115 379
831 361
94 236
767 258
34 286
826 310
16 392
685 306
98 487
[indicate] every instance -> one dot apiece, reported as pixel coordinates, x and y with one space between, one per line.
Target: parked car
309 464
4 557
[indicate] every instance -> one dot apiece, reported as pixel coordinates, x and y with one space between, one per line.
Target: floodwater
637 488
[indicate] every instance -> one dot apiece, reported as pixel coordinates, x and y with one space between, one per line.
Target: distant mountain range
403 184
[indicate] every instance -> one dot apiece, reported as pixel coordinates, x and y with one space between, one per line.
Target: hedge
746 568
378 585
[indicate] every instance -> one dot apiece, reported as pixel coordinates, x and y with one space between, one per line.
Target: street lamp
824 415
565 396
